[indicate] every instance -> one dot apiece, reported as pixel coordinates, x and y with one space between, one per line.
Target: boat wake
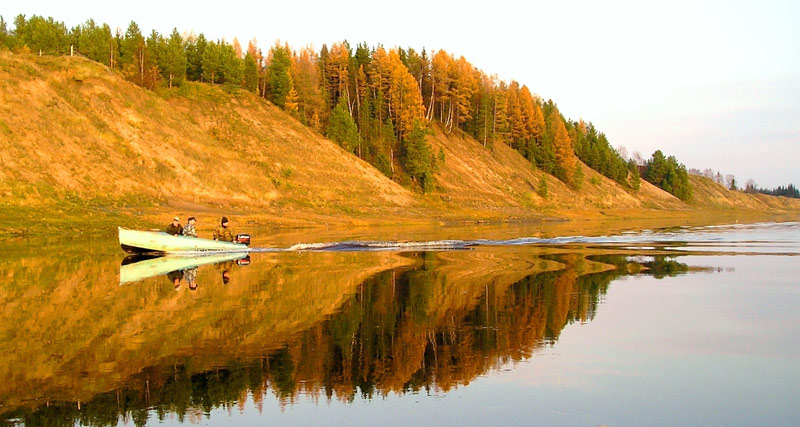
747 234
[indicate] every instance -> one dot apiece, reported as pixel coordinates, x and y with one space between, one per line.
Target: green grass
63 219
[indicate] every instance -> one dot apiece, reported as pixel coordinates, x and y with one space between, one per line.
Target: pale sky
715 83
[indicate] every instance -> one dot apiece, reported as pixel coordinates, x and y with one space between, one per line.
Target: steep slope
83 149
499 178
70 127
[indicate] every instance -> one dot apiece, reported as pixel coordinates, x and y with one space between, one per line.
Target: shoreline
74 221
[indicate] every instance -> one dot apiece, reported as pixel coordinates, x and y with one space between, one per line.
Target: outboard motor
243 238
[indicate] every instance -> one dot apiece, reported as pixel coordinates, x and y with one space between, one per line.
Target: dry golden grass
82 148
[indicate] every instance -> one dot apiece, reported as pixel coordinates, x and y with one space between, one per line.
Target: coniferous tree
307 82
230 67
669 175
4 36
212 62
291 105
42 36
96 42
173 63
155 54
341 127
279 80
132 54
562 146
542 188
418 159
250 73
337 73
633 171
195 50
384 92
15 39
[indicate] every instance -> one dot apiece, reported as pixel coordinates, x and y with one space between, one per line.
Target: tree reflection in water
428 327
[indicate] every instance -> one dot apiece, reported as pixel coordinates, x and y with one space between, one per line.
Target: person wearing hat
224 232
175 229
190 230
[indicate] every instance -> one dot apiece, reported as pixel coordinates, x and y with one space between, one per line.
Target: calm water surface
679 326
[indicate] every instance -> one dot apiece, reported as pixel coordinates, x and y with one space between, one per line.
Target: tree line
788 191
376 103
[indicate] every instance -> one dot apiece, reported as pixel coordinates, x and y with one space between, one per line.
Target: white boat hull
159 242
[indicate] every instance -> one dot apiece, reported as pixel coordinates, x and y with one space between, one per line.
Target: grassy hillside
501 179
81 148
73 131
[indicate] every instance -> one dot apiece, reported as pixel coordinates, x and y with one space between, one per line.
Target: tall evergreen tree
341 127
279 81
212 62
133 54
231 67
96 42
4 36
173 63
250 73
418 158
195 50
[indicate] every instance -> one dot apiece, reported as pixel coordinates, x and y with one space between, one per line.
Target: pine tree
155 57
250 72
132 54
4 36
279 81
341 127
231 67
174 59
195 51
633 171
96 42
542 189
419 161
212 62
669 175
42 36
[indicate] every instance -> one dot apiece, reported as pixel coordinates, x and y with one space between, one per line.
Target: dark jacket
175 230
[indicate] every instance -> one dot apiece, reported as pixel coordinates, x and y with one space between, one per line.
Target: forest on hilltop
376 103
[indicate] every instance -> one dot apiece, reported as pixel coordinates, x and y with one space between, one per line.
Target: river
687 325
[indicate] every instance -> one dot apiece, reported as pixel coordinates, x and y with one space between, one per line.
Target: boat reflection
135 268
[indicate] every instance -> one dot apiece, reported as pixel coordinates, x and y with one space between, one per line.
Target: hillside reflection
326 325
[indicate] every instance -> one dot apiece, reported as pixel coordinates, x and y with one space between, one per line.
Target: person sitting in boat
224 232
175 229
190 230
